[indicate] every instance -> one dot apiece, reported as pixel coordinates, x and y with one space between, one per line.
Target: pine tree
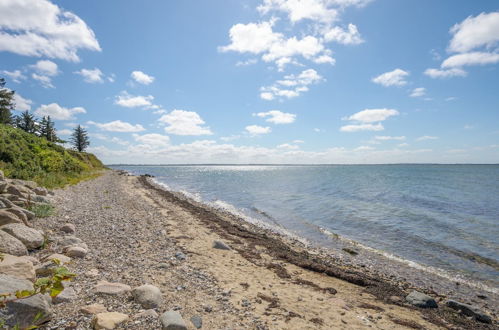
26 121
79 138
47 129
6 103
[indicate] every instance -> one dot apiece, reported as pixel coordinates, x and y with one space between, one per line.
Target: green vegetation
79 138
42 210
29 157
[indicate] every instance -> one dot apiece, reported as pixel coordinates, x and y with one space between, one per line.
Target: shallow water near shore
443 217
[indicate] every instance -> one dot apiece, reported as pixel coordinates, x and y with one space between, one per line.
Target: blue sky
267 81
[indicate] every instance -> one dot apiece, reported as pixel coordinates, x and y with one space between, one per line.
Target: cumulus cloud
291 86
142 78
418 92
45 81
16 76
315 10
373 115
396 77
118 126
46 67
426 137
361 127
130 101
40 28
257 130
342 36
182 122
21 103
277 117
55 111
153 140
91 75
388 138
288 146
474 41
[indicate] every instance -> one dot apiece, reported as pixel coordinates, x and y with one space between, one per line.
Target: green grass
28 157
42 210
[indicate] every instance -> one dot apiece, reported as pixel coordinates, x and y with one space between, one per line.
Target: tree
79 138
47 129
27 122
6 103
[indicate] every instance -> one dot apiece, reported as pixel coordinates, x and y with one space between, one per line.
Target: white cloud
130 101
298 141
230 138
403 145
256 130
363 148
473 58
297 10
373 115
251 61
475 32
339 35
393 78
40 28
182 122
418 92
91 75
288 146
64 132
44 80
388 138
153 140
253 38
117 126
15 75
426 137
277 117
46 67
293 84
361 127
55 111
437 73
142 78
22 104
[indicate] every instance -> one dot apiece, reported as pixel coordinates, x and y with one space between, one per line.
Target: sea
439 217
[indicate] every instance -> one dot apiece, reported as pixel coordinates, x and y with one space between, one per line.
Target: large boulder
26 312
17 190
6 201
11 284
18 213
172 320
18 267
148 296
108 320
469 310
40 191
32 238
30 215
11 245
422 300
7 217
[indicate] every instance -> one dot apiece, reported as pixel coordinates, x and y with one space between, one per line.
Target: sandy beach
140 234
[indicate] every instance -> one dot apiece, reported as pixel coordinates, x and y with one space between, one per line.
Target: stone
93 309
30 215
68 240
420 299
68 228
2 205
26 312
11 284
3 186
67 295
17 190
30 237
2 176
18 213
469 310
25 183
172 320
40 191
56 256
46 268
148 296
40 199
76 251
7 217
147 313
197 321
11 245
108 320
17 267
6 201
32 259
82 245
220 245
180 256
109 288
13 198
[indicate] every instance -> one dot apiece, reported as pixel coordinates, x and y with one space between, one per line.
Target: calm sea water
444 216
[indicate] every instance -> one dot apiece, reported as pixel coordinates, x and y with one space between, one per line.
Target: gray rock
19 267
151 313
148 296
24 183
40 199
7 217
180 256
11 245
11 284
24 312
30 215
220 245
172 320
18 213
3 185
67 295
17 190
68 240
30 237
46 269
68 228
197 321
2 205
2 176
6 201
422 300
109 288
469 310
40 191
76 252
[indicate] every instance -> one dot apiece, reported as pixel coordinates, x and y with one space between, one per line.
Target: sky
261 81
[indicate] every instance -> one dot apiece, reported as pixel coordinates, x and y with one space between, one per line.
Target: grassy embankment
28 157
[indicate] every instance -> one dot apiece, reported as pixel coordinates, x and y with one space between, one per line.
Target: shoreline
140 234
